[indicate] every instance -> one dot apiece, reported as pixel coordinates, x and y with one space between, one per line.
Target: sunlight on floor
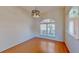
47 46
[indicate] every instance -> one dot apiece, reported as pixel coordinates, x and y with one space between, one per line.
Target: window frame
75 20
47 34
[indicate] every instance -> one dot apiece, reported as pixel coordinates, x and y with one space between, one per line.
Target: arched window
74 22
47 28
74 12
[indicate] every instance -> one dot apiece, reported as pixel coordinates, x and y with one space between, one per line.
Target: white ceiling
41 8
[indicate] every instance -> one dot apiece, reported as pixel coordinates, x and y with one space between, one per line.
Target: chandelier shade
35 13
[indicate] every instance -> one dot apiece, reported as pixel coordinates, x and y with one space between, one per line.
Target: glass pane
47 29
51 30
74 12
71 27
43 26
53 26
43 29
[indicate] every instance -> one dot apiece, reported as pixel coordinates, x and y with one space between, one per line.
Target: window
47 28
74 22
71 27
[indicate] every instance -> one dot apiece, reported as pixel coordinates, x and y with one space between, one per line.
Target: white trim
55 38
29 37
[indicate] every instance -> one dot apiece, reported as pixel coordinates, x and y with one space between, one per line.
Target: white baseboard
49 38
26 38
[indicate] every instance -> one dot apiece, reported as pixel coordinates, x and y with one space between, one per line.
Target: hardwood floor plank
39 45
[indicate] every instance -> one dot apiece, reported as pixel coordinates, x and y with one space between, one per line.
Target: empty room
39 29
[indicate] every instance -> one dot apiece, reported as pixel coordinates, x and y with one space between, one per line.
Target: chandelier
35 13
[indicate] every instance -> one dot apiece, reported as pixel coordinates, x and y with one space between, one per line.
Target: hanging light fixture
35 13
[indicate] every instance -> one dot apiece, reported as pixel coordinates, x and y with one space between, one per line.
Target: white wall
15 27
57 13
71 42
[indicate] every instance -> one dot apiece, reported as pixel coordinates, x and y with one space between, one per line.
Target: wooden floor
39 45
